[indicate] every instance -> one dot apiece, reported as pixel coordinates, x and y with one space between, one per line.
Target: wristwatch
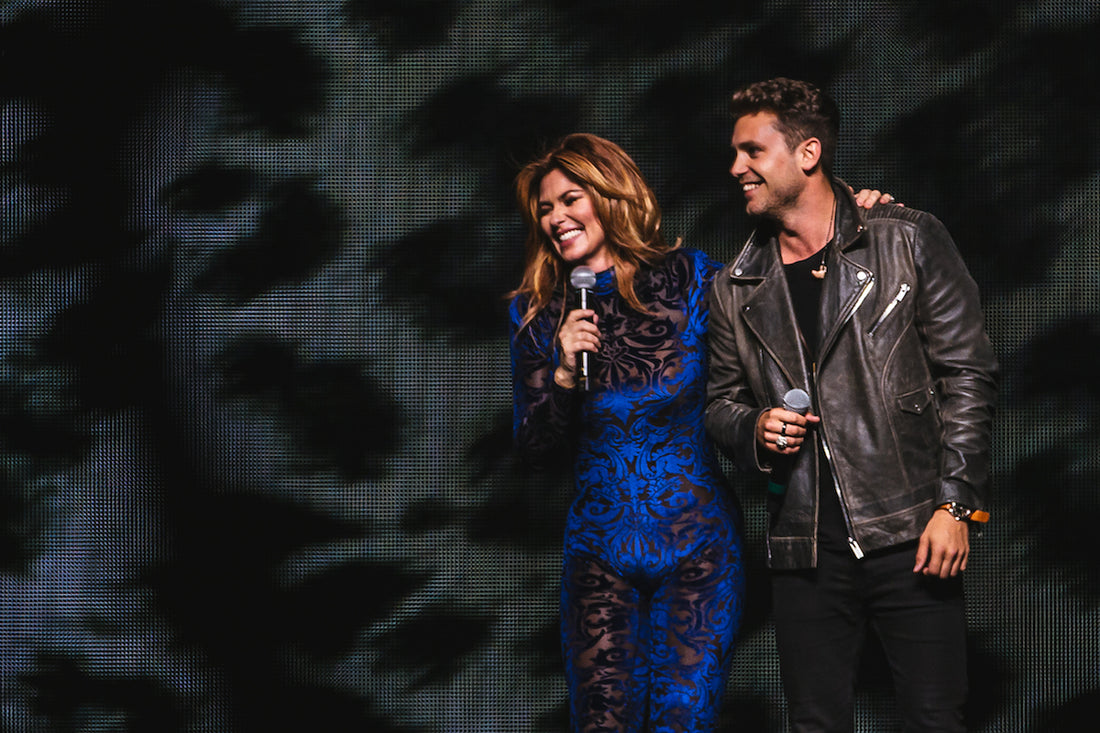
963 513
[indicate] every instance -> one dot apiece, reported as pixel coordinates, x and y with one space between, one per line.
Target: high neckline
605 281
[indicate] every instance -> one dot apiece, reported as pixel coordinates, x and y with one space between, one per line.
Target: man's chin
754 210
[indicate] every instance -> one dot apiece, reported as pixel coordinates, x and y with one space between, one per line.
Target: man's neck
807 227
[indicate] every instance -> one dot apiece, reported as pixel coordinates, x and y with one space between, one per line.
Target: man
873 490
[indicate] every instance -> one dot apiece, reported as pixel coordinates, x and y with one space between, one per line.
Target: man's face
770 174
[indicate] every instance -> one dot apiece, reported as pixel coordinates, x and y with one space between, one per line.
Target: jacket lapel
848 283
767 309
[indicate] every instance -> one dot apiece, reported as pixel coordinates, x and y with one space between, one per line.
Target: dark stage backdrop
255 471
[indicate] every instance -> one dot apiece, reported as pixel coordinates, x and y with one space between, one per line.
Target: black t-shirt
805 290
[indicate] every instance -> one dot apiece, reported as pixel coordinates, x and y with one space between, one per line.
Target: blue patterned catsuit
652 580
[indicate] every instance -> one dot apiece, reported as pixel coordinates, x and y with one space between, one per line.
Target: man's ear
809 154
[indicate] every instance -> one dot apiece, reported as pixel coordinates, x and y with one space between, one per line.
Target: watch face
957 510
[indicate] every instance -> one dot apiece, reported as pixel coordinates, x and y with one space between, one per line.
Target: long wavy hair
625 204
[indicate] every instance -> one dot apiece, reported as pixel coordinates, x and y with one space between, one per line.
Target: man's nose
737 167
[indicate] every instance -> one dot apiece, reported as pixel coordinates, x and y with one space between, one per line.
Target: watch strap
963 513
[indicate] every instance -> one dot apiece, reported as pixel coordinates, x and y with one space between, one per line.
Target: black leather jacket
905 381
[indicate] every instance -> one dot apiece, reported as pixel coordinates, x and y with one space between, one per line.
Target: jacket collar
760 254
843 289
851 220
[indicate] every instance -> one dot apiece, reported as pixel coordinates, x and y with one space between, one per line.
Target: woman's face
568 218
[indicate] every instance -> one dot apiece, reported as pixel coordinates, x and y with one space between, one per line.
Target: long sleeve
731 411
544 414
962 362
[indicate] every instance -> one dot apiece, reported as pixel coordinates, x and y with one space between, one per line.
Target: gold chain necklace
819 273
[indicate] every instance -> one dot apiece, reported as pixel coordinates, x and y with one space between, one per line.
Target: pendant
819 273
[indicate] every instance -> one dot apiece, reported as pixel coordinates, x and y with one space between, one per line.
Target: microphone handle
777 484
583 381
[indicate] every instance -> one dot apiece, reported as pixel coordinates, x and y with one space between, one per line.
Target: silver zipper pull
902 291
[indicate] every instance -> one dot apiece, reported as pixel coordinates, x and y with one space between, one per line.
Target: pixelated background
254 385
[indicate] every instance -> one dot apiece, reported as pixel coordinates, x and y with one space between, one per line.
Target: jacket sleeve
543 412
732 410
962 362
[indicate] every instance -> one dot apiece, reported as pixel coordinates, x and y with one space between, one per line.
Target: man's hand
782 431
944 546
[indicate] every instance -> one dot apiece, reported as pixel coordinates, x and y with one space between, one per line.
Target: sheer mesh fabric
652 579
644 658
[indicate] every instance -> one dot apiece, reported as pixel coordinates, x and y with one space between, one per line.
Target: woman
653 584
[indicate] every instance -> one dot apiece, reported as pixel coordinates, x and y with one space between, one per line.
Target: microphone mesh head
796 400
582 278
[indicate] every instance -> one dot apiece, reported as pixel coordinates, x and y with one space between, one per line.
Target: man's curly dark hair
802 110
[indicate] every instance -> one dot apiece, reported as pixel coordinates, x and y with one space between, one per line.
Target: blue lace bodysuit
652 584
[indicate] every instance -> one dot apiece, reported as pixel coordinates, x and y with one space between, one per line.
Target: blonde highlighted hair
626 206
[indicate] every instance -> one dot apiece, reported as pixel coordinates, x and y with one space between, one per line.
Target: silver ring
781 441
783 430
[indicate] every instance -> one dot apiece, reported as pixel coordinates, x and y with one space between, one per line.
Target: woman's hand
868 198
579 332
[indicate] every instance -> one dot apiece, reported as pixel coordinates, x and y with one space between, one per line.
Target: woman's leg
603 641
694 618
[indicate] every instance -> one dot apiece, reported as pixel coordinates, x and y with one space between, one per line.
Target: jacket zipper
852 542
862 296
902 292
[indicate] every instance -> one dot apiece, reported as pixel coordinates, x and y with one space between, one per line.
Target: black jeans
821 618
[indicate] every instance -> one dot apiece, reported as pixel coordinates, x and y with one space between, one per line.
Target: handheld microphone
796 400
583 279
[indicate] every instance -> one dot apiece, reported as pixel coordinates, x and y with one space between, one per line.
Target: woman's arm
543 409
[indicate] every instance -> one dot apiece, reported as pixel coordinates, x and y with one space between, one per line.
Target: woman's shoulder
541 324
517 306
693 263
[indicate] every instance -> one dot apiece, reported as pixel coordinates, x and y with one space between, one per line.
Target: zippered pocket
902 292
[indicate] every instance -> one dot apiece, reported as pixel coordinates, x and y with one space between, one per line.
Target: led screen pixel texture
254 388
